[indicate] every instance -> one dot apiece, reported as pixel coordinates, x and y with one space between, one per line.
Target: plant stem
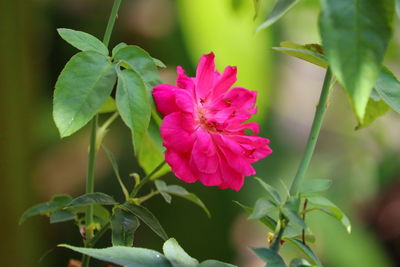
313 137
146 179
277 242
92 147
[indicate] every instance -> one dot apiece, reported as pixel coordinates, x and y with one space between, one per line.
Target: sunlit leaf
299 263
162 187
123 227
312 53
305 249
272 258
355 42
125 256
83 41
56 203
375 109
108 106
177 256
388 88
313 186
81 90
159 63
280 8
147 217
118 47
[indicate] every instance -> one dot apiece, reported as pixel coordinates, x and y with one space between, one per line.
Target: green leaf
266 220
133 105
177 256
291 211
58 202
272 258
312 53
183 193
331 209
273 194
355 42
299 263
62 216
313 186
108 106
388 88
82 88
214 263
162 187
140 61
152 152
262 208
123 226
125 256
117 48
305 249
159 63
148 218
375 109
83 41
280 8
92 198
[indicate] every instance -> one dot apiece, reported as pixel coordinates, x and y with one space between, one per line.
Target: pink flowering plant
206 134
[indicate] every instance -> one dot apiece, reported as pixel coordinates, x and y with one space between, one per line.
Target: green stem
313 137
146 179
277 242
92 147
99 234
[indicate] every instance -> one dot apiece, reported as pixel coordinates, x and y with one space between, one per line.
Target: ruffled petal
255 147
204 155
183 81
176 130
205 76
230 178
225 82
179 163
170 99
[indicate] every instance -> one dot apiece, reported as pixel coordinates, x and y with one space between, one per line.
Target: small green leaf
108 106
280 8
159 63
152 152
83 41
305 249
147 217
273 194
82 88
355 43
214 263
58 202
62 216
374 110
140 61
272 258
162 187
118 47
291 211
123 227
133 105
125 256
313 186
388 88
266 220
183 193
299 263
262 208
92 198
312 53
331 209
177 256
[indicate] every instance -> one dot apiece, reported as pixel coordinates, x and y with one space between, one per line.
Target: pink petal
164 98
205 75
204 155
176 130
209 179
255 147
230 178
183 81
225 82
179 163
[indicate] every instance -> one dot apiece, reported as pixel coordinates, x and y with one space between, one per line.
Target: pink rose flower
203 129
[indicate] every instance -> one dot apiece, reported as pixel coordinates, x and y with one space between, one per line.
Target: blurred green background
35 164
